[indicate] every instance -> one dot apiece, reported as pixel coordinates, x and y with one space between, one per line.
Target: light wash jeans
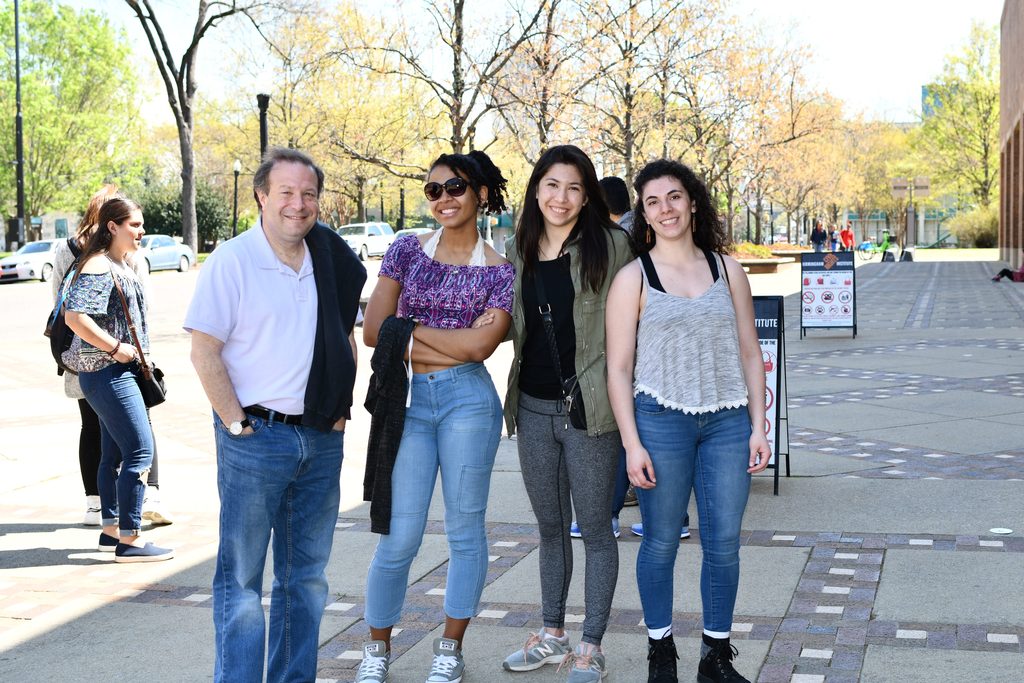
707 453
126 441
453 425
278 485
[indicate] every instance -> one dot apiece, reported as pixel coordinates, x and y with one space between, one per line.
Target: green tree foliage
78 104
960 125
161 206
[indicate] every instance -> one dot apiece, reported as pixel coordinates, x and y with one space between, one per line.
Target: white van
367 239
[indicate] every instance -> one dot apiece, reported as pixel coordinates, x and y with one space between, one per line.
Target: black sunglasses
455 187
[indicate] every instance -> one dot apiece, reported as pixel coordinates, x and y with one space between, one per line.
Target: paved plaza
875 563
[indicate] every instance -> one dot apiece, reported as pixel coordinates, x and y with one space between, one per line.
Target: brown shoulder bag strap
147 372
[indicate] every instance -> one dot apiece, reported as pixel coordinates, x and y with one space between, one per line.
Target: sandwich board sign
770 323
828 291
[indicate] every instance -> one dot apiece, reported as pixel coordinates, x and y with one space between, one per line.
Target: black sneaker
716 665
661 660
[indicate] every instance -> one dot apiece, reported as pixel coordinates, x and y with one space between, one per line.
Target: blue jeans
279 484
126 440
453 425
707 453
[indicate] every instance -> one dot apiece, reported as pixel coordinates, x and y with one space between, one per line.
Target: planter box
757 266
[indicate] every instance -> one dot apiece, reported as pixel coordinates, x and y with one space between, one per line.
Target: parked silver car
367 239
163 252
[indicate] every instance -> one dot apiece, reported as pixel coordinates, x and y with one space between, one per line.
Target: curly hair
708 232
479 171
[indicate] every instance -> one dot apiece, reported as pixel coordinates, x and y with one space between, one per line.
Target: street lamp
234 212
263 101
17 227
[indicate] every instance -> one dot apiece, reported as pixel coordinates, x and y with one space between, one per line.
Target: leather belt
272 415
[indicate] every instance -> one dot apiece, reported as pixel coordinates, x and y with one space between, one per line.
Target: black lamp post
382 202
263 101
234 211
17 228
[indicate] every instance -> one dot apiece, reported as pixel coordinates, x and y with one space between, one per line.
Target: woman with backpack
66 257
106 309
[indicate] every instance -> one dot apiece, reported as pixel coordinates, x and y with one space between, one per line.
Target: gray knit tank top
688 353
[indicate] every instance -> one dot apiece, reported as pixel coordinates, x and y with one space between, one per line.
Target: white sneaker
153 511
92 511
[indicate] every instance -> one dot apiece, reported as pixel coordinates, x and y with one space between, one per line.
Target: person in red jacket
846 237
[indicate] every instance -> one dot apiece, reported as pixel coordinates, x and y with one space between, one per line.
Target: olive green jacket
588 317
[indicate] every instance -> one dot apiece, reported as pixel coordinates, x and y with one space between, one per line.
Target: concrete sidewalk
875 563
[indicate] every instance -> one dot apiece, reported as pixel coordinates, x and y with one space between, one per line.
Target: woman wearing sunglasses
566 251
444 280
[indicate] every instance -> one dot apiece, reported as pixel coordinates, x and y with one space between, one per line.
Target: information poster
769 320
828 291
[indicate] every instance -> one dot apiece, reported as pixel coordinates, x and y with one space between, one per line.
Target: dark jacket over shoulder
339 277
385 399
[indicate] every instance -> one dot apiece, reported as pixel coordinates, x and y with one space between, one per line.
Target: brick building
1011 120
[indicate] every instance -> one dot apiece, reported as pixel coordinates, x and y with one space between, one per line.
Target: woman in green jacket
566 252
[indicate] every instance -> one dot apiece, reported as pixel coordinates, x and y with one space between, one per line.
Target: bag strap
147 371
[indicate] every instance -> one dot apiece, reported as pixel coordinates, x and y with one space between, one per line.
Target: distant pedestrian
617 195
106 309
66 254
833 238
686 381
819 237
846 237
271 322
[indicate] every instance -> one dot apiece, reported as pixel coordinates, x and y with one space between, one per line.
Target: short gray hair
276 155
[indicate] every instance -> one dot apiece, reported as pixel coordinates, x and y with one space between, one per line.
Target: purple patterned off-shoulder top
444 296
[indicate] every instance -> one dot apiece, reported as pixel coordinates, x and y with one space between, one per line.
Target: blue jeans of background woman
453 425
126 440
707 453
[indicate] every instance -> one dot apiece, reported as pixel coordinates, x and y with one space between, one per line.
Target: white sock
720 635
548 634
659 633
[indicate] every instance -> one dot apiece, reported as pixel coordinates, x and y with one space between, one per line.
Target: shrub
746 250
976 228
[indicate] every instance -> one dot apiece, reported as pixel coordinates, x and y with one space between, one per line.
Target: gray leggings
556 462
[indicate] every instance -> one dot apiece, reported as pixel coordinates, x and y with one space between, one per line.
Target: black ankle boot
716 665
661 660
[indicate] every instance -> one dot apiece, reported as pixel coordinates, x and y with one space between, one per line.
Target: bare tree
180 80
464 97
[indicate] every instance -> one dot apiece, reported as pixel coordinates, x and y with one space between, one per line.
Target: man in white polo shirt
271 322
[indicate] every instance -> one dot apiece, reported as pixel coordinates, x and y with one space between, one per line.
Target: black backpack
56 327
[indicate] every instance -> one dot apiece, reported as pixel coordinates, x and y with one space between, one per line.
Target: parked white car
34 261
367 239
163 252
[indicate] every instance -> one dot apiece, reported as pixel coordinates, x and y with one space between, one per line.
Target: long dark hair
591 227
119 209
479 171
708 233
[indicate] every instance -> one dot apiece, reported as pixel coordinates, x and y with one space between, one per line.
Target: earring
647 235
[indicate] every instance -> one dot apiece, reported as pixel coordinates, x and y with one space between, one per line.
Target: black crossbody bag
572 396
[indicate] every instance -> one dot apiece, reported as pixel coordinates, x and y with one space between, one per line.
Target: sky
873 54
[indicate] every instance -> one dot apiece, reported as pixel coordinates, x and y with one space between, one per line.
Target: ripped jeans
126 440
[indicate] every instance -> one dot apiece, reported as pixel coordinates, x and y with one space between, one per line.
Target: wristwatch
236 427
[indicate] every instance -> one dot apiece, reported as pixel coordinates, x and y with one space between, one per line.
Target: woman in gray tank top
687 386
